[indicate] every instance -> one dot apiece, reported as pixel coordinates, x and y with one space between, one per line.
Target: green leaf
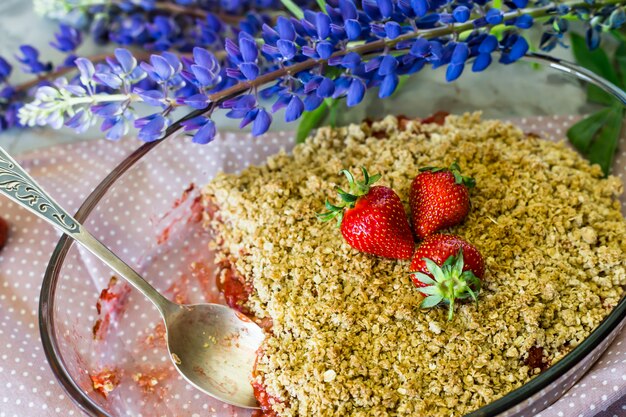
596 60
581 134
293 8
597 95
322 5
431 301
309 121
620 60
602 149
333 105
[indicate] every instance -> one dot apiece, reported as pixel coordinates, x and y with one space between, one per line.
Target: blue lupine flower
322 24
324 49
482 61
385 7
294 109
388 65
5 69
524 21
80 122
517 46
420 7
312 101
454 71
461 14
353 29
196 101
172 81
393 30
326 88
248 48
204 127
460 54
159 69
154 98
126 60
356 92
286 30
520 4
493 16
488 45
67 40
592 37
152 127
205 71
30 61
388 85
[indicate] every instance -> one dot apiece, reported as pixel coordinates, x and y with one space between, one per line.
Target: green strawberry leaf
431 290
431 301
582 133
424 279
434 269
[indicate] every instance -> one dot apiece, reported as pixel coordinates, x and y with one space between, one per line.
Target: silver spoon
211 345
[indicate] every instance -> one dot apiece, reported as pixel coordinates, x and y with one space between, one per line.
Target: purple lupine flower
461 14
159 69
493 16
204 127
524 21
356 92
30 61
388 65
68 39
5 69
420 7
516 47
393 29
326 88
294 109
262 122
482 61
152 127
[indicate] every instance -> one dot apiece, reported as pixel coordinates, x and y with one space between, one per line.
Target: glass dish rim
507 402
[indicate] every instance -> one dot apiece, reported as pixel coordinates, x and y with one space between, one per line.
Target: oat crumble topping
348 335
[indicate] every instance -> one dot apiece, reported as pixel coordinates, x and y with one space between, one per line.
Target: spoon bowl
212 346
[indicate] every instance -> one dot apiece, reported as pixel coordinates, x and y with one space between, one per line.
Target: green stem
293 8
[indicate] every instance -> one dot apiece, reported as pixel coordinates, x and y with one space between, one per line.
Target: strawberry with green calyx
372 218
439 198
447 268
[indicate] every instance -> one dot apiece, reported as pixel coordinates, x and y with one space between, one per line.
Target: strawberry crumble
348 336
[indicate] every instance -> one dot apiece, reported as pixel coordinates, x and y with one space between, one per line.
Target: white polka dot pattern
131 221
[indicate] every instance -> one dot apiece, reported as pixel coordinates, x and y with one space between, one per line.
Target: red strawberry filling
4 232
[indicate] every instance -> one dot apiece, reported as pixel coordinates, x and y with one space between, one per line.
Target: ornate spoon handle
20 187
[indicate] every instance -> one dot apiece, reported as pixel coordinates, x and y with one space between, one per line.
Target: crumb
348 336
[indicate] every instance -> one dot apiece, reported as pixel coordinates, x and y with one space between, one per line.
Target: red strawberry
4 232
447 268
372 219
439 198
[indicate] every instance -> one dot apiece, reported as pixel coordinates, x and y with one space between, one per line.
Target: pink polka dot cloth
27 386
